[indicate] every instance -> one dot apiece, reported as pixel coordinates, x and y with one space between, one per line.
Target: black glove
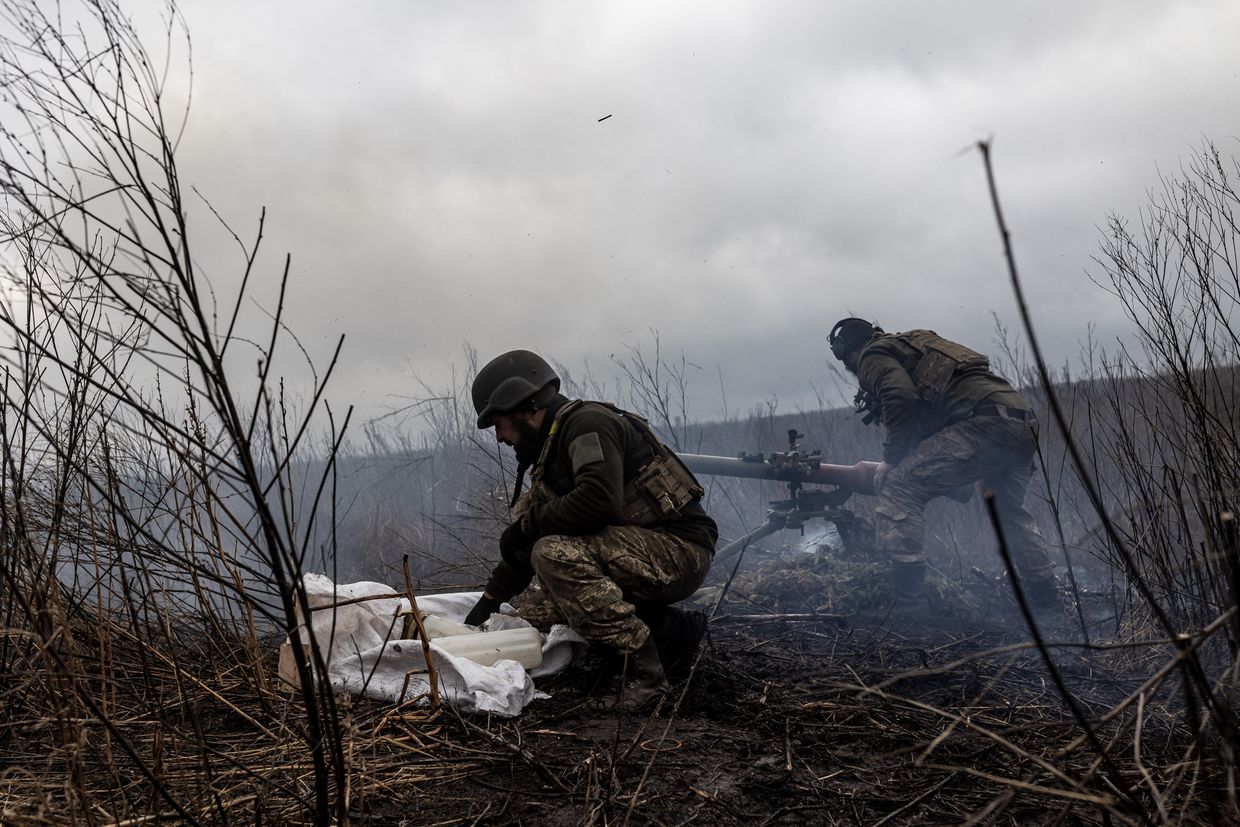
514 540
482 610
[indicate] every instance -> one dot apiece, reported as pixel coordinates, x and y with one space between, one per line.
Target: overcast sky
567 176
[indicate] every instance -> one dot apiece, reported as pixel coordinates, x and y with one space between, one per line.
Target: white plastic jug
437 627
522 645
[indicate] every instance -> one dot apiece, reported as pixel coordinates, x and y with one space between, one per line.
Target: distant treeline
443 504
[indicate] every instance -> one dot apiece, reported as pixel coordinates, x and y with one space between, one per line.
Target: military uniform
612 530
950 421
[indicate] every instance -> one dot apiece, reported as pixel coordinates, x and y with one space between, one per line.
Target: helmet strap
522 467
544 431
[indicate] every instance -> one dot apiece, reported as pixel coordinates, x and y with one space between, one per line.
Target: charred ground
867 721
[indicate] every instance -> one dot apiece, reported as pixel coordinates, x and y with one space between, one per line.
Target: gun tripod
800 507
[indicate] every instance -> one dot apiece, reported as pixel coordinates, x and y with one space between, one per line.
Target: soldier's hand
513 540
880 474
482 610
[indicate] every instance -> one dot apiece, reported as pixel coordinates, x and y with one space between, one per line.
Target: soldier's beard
528 445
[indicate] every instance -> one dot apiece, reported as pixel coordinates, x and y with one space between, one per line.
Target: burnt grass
864 721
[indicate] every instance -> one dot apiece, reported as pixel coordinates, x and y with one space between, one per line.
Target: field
159 506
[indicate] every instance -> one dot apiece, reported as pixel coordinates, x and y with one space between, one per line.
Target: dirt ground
870 721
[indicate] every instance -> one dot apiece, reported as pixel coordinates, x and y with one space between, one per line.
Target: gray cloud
440 174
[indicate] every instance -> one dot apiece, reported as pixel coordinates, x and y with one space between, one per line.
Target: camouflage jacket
581 486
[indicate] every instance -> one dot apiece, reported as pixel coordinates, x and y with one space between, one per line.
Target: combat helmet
509 380
850 334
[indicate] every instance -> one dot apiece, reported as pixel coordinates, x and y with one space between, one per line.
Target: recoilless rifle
797 468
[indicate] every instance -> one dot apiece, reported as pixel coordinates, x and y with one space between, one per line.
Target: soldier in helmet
612 525
949 421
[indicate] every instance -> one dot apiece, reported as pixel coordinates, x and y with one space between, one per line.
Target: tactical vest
931 362
938 361
661 488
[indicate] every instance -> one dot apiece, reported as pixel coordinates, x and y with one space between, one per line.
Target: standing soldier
612 524
949 421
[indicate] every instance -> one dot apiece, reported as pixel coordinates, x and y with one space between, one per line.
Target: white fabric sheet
365 656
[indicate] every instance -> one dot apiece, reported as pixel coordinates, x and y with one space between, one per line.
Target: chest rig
659 489
938 361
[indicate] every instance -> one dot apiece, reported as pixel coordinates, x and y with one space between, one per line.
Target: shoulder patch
584 450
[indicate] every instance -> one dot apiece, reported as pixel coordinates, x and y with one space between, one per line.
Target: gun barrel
858 477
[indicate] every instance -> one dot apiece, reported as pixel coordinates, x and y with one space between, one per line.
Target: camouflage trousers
592 582
994 450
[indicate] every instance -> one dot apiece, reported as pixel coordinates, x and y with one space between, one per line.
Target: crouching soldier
612 524
949 421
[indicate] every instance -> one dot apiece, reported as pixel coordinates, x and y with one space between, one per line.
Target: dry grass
110 721
157 511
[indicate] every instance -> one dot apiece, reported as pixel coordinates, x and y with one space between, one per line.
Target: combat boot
1047 606
908 581
677 636
642 682
1043 595
908 611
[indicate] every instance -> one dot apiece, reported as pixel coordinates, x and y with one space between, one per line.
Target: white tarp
366 657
